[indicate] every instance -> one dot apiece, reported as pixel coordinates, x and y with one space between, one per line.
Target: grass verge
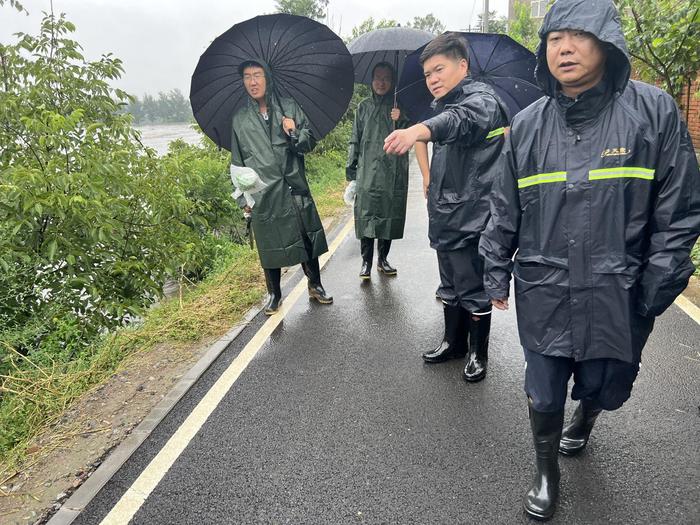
34 397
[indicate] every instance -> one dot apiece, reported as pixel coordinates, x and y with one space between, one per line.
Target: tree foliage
91 224
663 37
315 9
168 107
523 28
496 24
370 24
428 23
14 3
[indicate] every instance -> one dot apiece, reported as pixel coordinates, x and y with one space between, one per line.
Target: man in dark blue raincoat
467 132
600 197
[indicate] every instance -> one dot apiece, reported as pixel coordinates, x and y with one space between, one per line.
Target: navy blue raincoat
599 200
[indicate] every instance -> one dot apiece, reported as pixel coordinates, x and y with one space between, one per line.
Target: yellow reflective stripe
542 178
496 133
625 172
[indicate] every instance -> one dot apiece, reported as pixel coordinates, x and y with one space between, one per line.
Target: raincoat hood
387 98
598 17
269 77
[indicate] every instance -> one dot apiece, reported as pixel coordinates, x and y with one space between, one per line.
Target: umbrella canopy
494 59
389 44
309 63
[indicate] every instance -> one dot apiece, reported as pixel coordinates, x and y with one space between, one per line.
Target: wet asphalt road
337 420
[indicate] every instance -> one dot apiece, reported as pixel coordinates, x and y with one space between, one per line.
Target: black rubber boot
454 342
383 265
272 281
313 274
541 499
576 434
478 356
367 251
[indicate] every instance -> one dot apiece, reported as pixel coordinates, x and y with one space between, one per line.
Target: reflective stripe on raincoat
467 135
600 197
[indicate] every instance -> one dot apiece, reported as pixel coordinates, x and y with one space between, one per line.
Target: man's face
443 73
382 81
255 82
576 59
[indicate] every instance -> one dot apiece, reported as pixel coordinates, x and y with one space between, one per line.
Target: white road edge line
136 495
688 307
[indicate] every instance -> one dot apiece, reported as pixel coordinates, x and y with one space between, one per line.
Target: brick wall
694 114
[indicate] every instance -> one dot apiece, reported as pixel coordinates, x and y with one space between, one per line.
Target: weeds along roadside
218 282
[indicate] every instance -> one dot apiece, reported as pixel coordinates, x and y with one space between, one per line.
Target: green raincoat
382 180
284 212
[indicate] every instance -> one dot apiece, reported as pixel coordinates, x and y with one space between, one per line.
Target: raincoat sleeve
499 241
468 122
304 141
237 160
675 219
354 145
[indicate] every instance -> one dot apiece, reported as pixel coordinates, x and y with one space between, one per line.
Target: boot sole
473 379
322 301
539 516
270 313
571 451
390 274
365 277
442 359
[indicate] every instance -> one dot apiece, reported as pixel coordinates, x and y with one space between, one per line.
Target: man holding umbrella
270 134
382 180
268 88
600 197
467 134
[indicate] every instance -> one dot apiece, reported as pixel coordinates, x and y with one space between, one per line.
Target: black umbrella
389 44
309 63
494 59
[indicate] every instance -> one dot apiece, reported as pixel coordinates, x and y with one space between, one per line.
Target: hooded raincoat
284 215
382 180
467 134
600 198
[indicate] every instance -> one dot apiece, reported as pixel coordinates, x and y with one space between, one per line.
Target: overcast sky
160 41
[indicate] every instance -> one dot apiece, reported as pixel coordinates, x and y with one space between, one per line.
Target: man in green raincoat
270 134
382 180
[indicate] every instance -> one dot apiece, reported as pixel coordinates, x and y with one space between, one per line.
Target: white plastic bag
246 181
350 193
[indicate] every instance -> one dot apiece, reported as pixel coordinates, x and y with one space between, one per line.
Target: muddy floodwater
158 136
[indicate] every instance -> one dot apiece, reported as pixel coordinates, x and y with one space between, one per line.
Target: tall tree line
169 107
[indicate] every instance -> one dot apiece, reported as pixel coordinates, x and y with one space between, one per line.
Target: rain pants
467 134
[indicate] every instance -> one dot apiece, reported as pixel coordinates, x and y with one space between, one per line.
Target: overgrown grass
326 175
695 256
33 396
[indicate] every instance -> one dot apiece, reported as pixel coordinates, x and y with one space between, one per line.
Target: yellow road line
688 307
136 495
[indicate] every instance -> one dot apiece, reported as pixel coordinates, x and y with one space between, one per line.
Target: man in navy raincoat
467 132
600 197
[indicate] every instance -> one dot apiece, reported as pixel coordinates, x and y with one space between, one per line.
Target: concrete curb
77 502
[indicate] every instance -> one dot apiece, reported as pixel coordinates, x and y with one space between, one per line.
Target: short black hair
248 63
450 44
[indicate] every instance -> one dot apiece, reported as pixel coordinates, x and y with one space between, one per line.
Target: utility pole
485 17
